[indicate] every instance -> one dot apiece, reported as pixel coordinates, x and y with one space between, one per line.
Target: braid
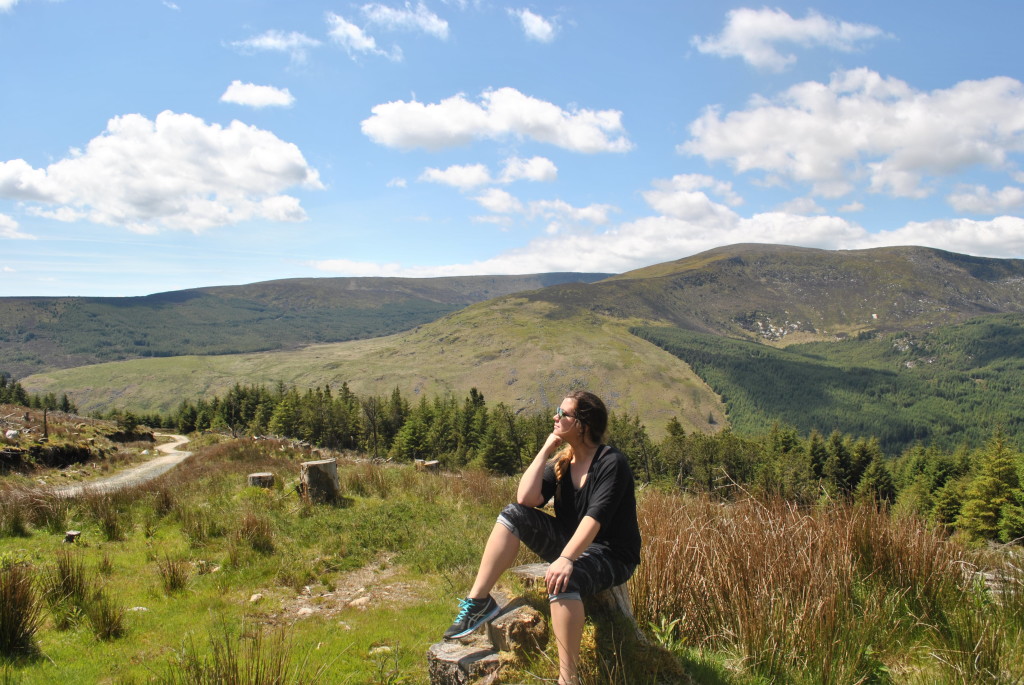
562 460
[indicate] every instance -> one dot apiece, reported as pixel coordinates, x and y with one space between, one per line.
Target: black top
608 495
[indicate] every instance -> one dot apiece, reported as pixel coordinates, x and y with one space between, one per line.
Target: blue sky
155 145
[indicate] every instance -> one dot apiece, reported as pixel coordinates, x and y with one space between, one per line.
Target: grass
747 593
512 350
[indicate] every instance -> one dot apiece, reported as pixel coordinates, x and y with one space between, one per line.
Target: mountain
43 333
527 349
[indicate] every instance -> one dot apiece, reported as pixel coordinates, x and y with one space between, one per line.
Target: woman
592 542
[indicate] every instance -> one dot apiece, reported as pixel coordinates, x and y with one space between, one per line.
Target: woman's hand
557 577
551 444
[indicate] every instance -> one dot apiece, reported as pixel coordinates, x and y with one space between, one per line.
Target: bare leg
499 555
567 617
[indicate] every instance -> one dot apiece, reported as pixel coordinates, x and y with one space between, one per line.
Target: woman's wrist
570 559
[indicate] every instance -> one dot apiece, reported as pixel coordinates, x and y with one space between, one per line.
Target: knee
512 517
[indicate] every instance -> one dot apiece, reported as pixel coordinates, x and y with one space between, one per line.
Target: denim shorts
595 570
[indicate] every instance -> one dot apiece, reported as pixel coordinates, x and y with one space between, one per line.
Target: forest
973 489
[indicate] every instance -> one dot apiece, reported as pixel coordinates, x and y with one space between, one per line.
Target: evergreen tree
989 491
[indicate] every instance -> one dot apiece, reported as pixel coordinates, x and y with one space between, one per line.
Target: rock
522 630
305 611
451 663
382 649
138 609
360 603
255 598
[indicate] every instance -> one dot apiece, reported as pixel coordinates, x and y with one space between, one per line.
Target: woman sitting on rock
592 542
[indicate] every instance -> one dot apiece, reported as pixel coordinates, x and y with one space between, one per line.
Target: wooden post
320 480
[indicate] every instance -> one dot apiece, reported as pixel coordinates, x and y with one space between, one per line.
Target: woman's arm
529 494
557 576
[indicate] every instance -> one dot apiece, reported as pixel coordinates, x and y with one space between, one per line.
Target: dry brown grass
835 593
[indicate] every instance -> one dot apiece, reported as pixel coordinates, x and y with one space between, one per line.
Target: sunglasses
561 413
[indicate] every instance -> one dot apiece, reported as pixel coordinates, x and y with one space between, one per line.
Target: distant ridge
527 349
42 333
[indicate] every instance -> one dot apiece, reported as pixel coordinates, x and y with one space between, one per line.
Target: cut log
261 480
320 480
432 466
450 663
71 535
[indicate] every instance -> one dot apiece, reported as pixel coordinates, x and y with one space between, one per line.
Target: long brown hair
593 417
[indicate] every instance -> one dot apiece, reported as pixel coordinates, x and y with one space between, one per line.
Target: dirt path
170 457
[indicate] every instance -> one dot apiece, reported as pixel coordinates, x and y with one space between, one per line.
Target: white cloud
175 172
696 224
535 26
8 270
397 182
257 96
499 201
459 176
469 176
7 5
852 207
502 113
408 19
295 44
170 5
981 200
753 35
9 229
560 211
664 190
861 126
533 169
801 205
355 40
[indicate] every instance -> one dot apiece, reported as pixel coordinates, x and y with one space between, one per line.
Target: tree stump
522 630
261 480
433 465
320 481
71 535
451 663
611 606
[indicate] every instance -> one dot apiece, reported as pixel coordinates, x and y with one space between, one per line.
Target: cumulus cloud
459 176
175 172
408 19
500 114
692 223
533 169
861 126
499 201
753 36
535 26
9 229
558 213
801 205
355 40
852 207
397 182
7 5
981 200
470 176
296 44
257 96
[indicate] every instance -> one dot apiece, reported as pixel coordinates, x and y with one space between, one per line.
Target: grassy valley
42 333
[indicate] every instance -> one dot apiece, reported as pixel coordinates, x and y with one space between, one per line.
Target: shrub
257 531
19 609
174 573
105 617
250 657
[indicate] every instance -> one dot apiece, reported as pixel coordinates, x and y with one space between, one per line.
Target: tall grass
826 595
248 657
19 609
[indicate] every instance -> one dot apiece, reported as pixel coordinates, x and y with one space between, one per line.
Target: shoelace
464 607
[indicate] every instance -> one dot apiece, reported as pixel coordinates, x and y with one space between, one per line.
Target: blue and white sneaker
472 614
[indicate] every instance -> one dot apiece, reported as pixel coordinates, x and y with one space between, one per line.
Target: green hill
42 333
528 349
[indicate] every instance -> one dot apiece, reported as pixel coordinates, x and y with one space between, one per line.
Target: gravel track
170 457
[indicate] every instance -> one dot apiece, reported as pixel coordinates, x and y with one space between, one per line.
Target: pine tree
989 491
